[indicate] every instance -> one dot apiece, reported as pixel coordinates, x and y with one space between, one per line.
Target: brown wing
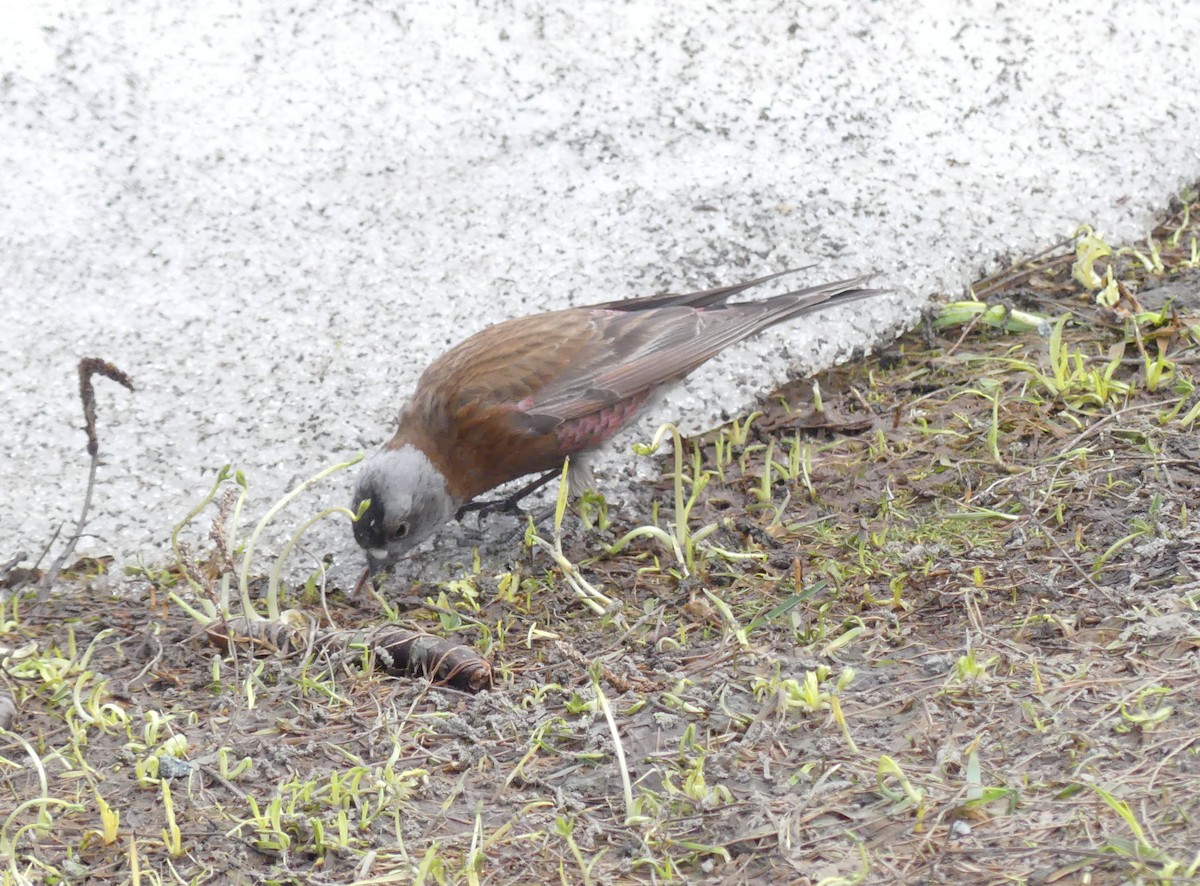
641 350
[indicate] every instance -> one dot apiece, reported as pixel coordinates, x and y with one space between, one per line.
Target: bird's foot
509 504
539 518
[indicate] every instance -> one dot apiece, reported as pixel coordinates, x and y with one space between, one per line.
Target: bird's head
408 503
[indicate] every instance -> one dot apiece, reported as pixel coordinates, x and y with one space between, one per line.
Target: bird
519 397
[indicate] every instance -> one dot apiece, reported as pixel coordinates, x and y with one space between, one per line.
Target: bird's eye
399 532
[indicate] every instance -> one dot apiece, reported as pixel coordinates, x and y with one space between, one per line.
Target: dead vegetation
932 620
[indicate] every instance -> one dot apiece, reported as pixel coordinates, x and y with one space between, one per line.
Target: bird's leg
508 504
579 475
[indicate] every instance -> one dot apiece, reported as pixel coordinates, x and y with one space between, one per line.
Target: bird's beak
375 572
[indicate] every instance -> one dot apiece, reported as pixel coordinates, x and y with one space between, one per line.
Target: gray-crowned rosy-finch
518 397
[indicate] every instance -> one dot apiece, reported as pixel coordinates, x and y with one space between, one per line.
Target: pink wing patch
582 434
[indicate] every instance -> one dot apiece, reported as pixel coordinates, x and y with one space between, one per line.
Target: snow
274 215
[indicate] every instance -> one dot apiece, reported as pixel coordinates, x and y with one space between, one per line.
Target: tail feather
705 299
789 305
726 325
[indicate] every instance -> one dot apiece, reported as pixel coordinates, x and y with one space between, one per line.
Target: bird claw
508 505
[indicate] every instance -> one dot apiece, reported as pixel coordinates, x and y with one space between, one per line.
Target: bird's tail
707 298
779 308
722 325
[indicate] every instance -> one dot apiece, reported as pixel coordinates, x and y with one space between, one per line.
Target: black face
370 531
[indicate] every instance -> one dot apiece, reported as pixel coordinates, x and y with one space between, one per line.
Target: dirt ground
933 621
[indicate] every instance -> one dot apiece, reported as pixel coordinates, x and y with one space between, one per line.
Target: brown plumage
518 397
